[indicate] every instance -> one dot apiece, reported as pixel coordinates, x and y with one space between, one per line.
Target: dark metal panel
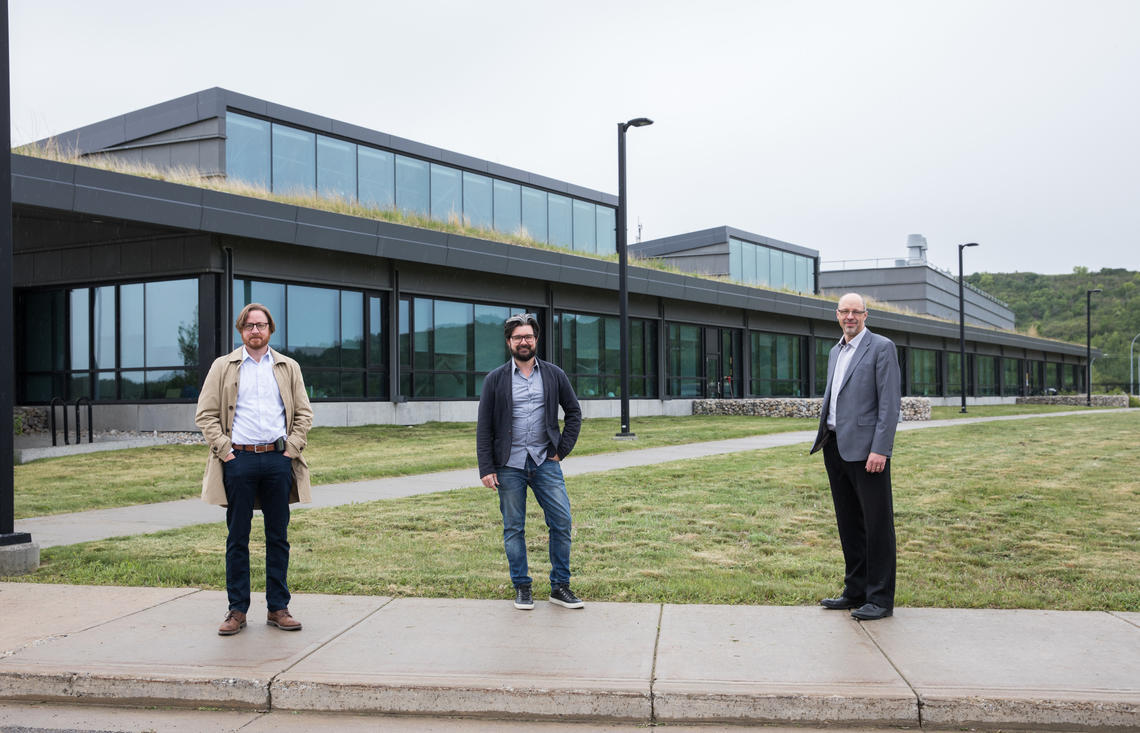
43 183
241 216
105 260
159 117
137 199
48 266
327 230
464 161
136 259
361 134
411 147
23 269
298 117
75 264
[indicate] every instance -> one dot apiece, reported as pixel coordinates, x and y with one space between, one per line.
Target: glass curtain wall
954 374
286 159
924 377
757 264
822 353
589 352
1011 377
777 361
987 376
685 360
448 346
134 341
337 336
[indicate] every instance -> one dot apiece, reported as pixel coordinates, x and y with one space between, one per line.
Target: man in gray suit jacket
856 432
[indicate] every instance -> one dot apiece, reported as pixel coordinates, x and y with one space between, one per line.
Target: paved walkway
69 529
608 662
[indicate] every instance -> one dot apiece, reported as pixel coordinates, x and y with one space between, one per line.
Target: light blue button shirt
259 416
846 351
528 418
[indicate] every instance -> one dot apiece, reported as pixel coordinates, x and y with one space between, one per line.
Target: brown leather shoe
234 622
283 620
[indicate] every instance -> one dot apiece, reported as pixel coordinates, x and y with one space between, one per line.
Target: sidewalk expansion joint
917 697
653 667
322 645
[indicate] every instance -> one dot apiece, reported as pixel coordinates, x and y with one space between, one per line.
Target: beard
522 352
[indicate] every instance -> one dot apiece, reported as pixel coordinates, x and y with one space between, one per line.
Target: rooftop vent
915 249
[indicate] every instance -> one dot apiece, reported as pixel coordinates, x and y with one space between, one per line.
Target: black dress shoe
871 612
842 603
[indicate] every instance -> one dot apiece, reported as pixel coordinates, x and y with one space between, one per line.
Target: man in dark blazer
856 432
518 444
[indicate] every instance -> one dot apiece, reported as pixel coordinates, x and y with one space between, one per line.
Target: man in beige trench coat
254 411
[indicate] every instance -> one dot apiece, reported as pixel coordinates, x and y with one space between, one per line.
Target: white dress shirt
259 416
846 352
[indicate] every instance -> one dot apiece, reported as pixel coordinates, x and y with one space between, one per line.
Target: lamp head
1095 290
639 122
970 244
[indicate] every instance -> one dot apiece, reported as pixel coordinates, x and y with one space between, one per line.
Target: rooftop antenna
639 228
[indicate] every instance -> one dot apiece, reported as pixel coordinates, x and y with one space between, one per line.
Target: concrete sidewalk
609 662
69 529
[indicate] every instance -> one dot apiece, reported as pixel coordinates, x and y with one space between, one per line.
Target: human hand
491 481
876 462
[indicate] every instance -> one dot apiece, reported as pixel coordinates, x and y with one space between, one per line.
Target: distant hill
1054 306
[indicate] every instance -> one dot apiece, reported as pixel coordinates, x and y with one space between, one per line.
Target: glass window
736 260
412 185
247 150
376 177
172 323
270 295
987 375
313 326
294 160
822 353
923 373
776 365
534 213
80 329
351 328
44 331
776 268
105 327
131 309
446 194
377 350
607 230
336 168
477 200
803 274
1010 377
508 207
954 374
789 271
490 346
560 222
451 347
763 266
748 263
585 228
685 378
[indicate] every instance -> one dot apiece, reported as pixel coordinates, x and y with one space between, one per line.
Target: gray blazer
869 399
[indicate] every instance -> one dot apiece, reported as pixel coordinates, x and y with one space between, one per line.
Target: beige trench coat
215 418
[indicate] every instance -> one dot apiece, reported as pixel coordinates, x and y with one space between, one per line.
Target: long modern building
126 285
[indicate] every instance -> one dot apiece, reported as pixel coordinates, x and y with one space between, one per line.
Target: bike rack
90 424
63 409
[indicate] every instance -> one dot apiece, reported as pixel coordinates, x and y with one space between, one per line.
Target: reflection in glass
336 168
78 385
422 319
445 193
534 213
451 322
134 384
585 232
776 268
376 327
736 260
560 222
172 323
490 346
508 207
171 384
748 263
313 320
477 200
247 150
294 160
776 365
376 177
607 230
80 329
105 386
763 266
923 372
789 271
105 327
44 331
131 325
412 185
351 328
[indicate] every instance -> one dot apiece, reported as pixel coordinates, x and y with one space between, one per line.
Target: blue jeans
550 491
268 478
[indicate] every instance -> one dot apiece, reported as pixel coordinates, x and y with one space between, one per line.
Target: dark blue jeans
268 478
550 490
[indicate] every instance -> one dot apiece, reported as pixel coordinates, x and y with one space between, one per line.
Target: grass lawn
947 412
165 473
1042 514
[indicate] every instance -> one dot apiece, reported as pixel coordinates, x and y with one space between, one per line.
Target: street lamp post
623 274
1131 361
962 321
1088 344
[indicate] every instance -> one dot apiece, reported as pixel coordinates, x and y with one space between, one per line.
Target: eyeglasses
529 338
847 312
250 327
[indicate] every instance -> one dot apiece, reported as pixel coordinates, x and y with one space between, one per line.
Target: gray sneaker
563 596
524 601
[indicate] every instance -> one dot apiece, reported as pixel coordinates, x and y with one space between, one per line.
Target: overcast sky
840 126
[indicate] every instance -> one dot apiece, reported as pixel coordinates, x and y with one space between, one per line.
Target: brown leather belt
261 448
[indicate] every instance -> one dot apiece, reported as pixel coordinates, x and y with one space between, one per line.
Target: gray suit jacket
868 405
